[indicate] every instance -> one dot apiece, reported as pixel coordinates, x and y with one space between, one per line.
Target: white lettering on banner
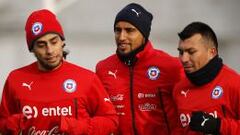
118 97
53 131
32 112
185 118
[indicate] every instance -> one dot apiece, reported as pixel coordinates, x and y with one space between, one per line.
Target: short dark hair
199 28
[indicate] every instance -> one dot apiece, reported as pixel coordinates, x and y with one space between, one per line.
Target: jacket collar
148 48
132 58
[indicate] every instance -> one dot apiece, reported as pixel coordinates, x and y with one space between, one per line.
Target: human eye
117 30
180 51
192 51
55 40
40 44
130 30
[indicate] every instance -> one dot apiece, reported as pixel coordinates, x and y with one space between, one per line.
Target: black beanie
137 16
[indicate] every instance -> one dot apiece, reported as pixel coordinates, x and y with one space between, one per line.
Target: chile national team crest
217 92
37 28
153 73
69 85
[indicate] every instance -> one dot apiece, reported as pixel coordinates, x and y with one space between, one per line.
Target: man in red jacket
52 96
139 78
208 97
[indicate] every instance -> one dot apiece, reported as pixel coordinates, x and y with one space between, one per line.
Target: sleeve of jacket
175 75
231 126
98 69
10 120
172 116
102 120
178 129
4 109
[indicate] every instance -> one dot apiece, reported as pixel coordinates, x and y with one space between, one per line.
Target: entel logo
186 118
32 112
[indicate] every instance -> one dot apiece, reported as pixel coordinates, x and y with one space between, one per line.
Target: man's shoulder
163 54
112 59
164 58
183 82
77 69
229 73
27 68
22 71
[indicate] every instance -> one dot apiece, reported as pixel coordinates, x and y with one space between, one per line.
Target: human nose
122 36
49 48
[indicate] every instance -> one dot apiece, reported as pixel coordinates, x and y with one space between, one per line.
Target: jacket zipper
164 112
132 101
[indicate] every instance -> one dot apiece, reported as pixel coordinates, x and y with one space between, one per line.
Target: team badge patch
37 28
69 85
217 92
153 73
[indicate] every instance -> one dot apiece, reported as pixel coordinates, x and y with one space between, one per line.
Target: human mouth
51 59
188 68
123 45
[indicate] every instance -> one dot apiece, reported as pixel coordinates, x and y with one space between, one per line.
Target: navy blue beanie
137 16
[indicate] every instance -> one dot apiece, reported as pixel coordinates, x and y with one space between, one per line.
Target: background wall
88 27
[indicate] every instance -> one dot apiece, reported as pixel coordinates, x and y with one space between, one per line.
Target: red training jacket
142 94
69 100
220 98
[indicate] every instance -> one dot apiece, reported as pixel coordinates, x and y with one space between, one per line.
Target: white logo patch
204 121
140 95
107 99
113 74
184 93
37 28
69 85
153 73
137 13
27 85
217 92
